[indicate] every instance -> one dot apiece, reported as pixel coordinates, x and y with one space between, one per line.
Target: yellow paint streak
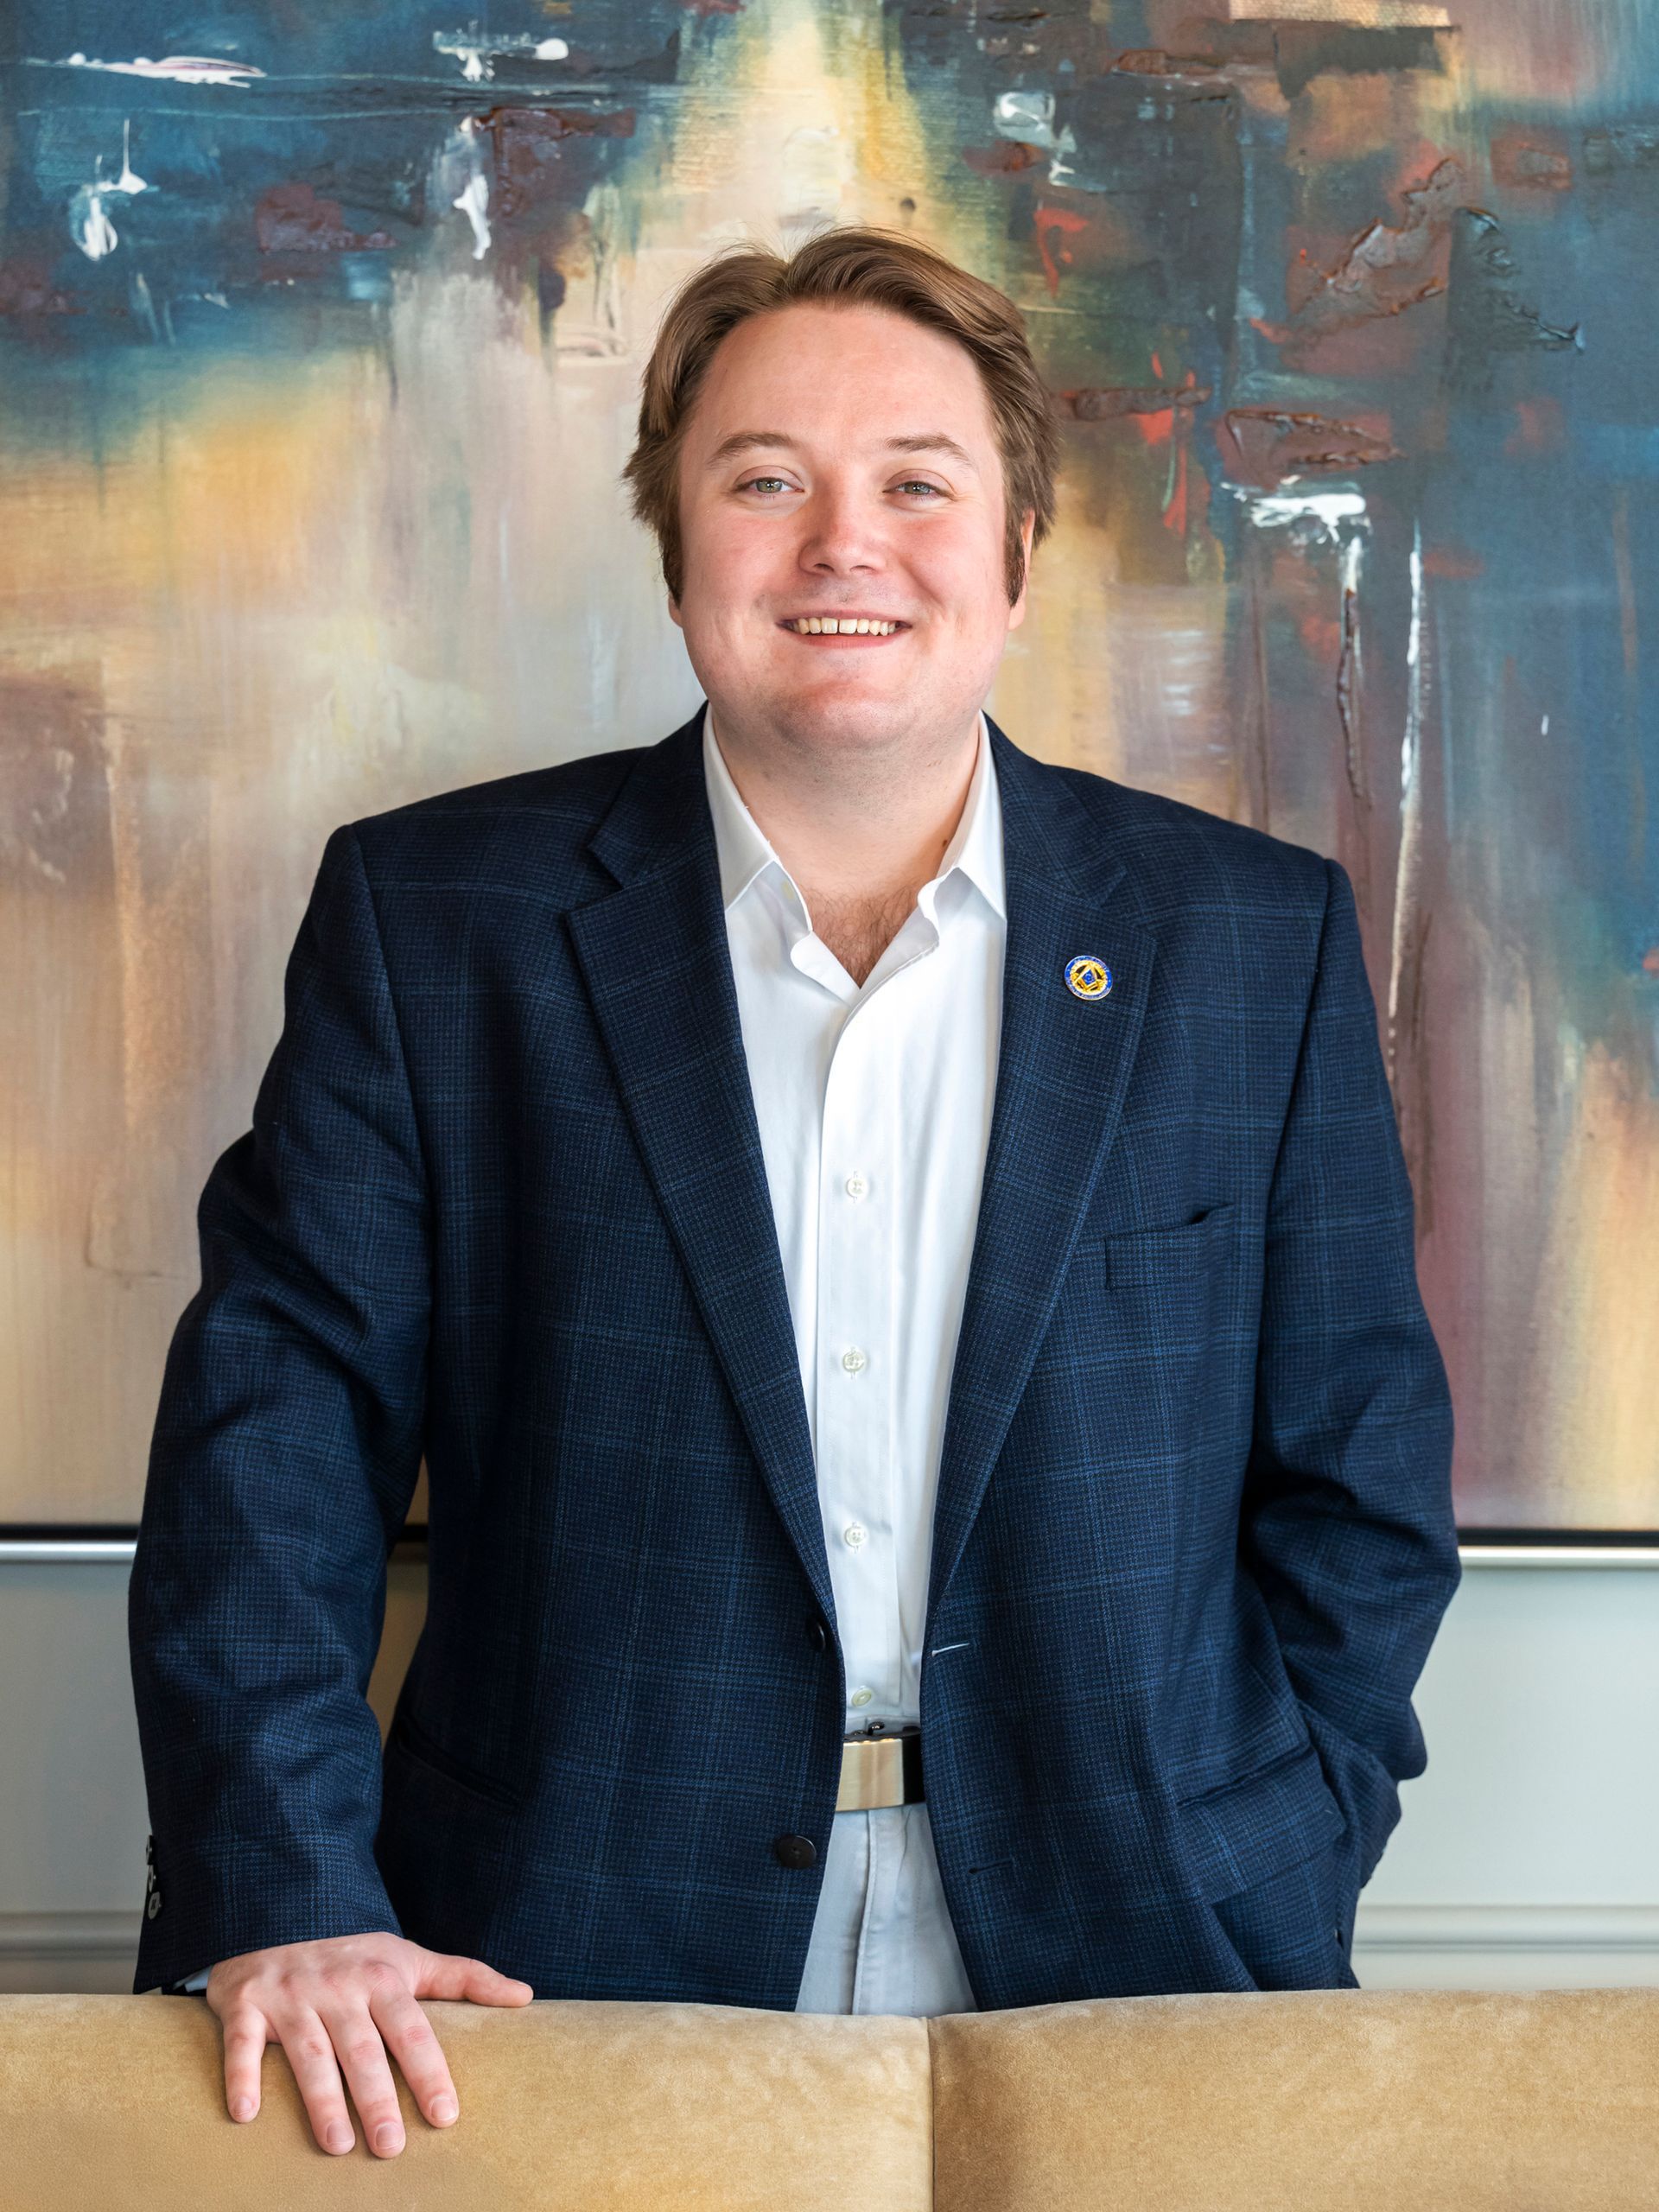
1363 15
217 501
1593 1408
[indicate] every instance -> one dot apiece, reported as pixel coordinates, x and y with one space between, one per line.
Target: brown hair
844 267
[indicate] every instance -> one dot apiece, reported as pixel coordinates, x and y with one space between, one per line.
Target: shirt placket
856 1375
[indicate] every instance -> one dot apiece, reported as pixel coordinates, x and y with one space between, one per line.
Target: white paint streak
1323 510
176 68
473 200
89 224
478 53
1407 868
1027 117
129 181
1353 560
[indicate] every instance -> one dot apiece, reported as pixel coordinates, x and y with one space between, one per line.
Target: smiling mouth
843 630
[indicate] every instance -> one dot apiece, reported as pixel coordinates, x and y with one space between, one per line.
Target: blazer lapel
656 962
1063 1066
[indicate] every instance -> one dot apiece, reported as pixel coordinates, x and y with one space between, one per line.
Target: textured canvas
321 334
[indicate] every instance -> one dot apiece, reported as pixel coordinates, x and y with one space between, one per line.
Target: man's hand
347 2001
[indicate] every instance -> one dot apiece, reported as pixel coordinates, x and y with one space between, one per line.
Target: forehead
863 380
739 444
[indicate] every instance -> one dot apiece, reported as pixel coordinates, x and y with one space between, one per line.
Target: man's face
828 514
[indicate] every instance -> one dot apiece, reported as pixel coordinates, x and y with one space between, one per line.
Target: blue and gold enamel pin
1087 976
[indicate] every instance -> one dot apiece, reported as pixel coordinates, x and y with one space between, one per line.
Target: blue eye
915 484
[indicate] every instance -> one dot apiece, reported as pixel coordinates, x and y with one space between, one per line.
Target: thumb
447 1975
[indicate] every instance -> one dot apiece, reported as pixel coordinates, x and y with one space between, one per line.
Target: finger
246 2034
362 2056
408 2038
447 1975
311 2054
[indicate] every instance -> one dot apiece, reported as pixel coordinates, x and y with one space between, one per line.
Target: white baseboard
1507 1946
1395 1947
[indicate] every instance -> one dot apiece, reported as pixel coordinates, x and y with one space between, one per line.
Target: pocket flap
1239 1834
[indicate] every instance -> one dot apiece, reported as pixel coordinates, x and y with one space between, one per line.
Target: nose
839 535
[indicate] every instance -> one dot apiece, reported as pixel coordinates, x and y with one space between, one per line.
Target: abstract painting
321 334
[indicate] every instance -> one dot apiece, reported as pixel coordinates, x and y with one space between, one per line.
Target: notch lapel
656 962
1063 1066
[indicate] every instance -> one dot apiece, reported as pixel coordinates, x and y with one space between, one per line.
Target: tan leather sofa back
1345 2101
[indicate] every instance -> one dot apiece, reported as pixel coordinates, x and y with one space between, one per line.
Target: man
899 1260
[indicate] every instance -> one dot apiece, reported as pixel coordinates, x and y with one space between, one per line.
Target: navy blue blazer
503 1205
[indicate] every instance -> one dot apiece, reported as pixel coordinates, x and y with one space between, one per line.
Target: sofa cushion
117 2104
1304 2100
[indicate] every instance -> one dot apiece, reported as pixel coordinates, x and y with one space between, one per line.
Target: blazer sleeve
1347 1521
286 1448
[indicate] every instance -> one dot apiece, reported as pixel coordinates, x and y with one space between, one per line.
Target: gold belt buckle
881 1769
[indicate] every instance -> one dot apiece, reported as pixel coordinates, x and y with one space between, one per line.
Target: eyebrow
915 441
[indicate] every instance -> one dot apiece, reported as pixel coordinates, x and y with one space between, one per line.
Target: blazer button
794 1850
818 1636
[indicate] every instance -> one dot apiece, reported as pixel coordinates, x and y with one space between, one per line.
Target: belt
883 1769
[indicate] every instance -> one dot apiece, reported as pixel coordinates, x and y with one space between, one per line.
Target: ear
674 612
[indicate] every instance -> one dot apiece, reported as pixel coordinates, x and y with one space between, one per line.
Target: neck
854 833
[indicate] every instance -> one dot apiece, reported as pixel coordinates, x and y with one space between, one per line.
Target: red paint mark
528 146
1532 157
1157 61
1109 402
26 289
1157 367
1386 269
1263 446
1538 428
292 219
1009 157
1453 561
1051 222
1650 961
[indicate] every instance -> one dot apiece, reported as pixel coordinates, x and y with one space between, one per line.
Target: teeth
819 626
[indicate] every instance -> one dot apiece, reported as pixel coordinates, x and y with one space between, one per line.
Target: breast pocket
1149 1344
1132 1254
1145 1291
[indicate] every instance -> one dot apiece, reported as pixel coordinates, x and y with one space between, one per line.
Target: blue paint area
356 108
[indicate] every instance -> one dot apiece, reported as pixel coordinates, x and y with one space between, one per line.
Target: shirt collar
745 852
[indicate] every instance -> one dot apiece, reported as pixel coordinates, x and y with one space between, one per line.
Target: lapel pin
1087 976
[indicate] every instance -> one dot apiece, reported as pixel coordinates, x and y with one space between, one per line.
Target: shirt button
857 1185
852 1360
853 1534
861 1697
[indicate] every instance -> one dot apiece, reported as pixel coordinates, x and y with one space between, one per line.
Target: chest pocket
1142 1311
1133 1255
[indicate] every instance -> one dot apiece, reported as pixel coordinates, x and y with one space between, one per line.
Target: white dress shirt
874 1108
